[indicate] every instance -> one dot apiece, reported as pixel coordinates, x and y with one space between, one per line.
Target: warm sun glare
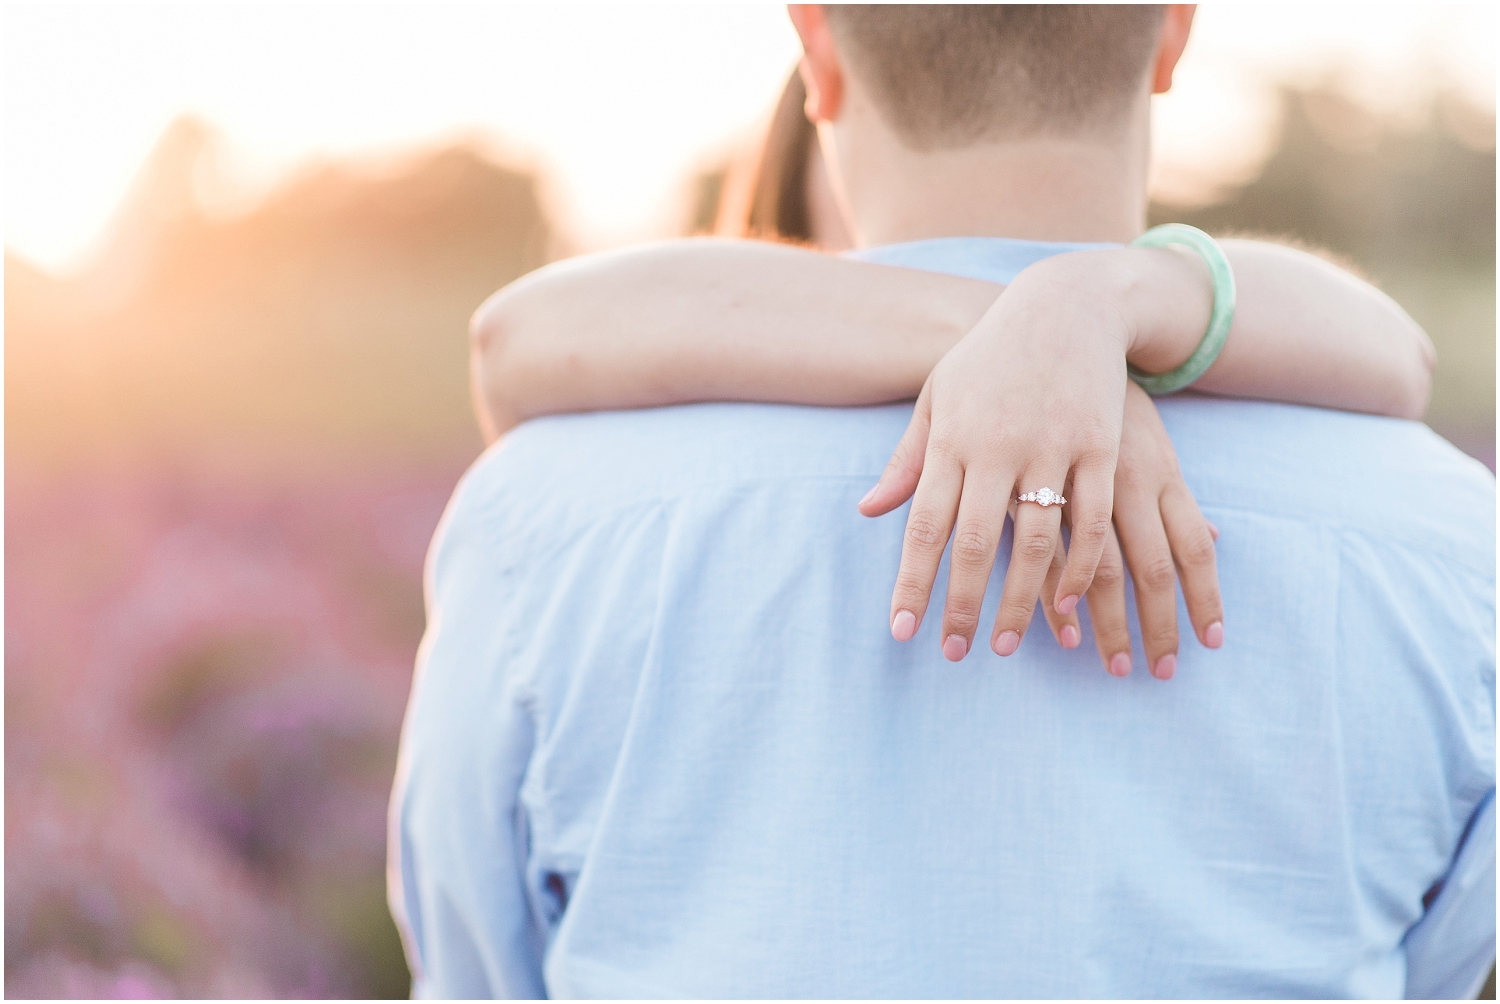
617 104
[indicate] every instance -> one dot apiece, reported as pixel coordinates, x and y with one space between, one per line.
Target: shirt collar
993 259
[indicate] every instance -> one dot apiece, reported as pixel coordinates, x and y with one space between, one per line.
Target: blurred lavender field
203 683
228 443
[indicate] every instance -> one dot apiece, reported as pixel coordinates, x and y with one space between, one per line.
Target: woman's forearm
1305 331
708 319
737 320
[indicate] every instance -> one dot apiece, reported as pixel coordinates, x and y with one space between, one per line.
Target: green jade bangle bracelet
1219 319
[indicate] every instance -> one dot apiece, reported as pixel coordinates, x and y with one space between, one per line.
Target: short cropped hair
950 75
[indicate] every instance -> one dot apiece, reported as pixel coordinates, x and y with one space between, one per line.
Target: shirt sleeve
1450 950
459 835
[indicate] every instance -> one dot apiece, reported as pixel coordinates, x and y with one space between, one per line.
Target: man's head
948 75
909 88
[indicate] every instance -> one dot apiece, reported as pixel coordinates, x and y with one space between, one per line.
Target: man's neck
1043 189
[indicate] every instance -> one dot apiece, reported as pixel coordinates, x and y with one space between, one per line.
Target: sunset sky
615 103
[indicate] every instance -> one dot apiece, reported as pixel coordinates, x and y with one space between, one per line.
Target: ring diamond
1043 497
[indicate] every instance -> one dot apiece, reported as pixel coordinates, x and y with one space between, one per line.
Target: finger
1106 600
1191 538
902 473
1036 531
976 536
1090 507
1064 626
928 524
1149 557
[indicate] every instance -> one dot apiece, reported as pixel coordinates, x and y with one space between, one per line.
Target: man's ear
822 74
1174 35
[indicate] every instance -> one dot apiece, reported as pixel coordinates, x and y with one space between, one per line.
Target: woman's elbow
490 325
491 351
1414 386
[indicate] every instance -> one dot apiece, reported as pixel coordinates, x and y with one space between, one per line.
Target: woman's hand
1031 398
1164 535
976 422
1157 515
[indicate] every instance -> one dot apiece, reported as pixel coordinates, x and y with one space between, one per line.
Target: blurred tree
331 318
1413 205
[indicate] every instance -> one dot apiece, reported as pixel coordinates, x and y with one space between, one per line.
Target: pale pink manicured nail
955 648
1119 664
871 494
1166 667
1213 635
1007 643
1213 531
904 625
1069 636
1066 604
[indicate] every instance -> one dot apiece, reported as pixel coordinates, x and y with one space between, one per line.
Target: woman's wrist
1160 298
1163 298
1166 296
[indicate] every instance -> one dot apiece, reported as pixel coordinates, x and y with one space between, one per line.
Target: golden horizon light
614 105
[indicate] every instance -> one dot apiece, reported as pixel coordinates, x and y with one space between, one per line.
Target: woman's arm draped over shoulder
1305 331
710 319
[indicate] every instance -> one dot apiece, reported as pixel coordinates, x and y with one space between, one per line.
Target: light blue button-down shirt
661 742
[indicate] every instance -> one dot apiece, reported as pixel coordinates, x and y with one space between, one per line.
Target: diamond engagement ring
1045 497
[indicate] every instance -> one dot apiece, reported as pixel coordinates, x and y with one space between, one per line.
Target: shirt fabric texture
662 744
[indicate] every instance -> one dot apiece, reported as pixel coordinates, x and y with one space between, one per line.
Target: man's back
660 690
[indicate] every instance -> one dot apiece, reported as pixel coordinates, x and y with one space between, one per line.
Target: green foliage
1413 205
356 912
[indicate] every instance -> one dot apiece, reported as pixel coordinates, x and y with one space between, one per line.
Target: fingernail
1069 636
1213 635
1066 604
955 648
1119 664
1166 666
1007 643
871 494
1213 531
904 625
